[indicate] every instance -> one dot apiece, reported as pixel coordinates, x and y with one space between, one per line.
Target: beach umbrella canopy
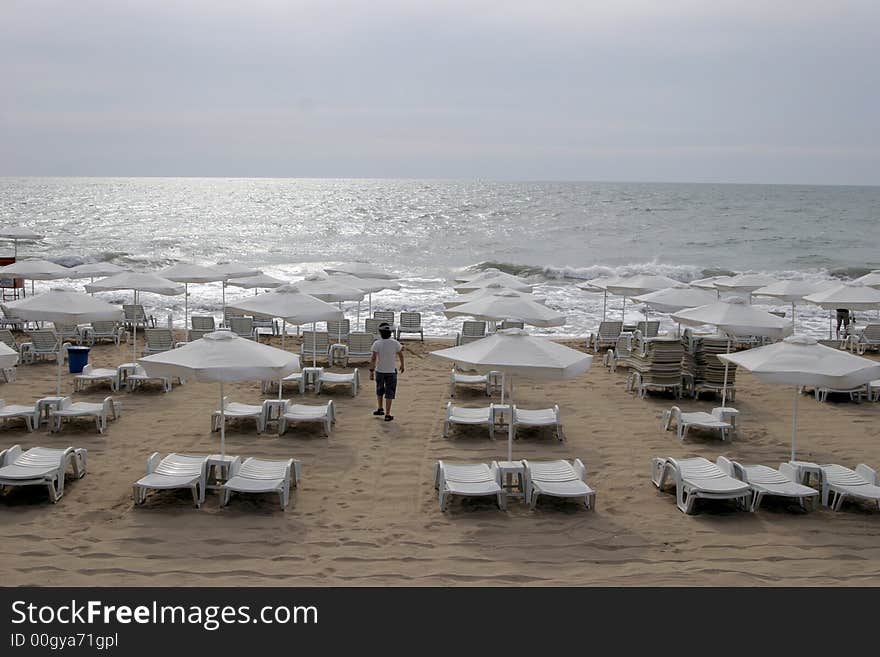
508 305
631 286
258 281
359 270
95 270
735 317
136 282
222 357
792 291
675 298
35 269
8 356
63 307
19 234
367 285
488 278
235 270
852 295
872 279
329 288
600 284
801 361
516 353
464 277
709 283
494 288
745 283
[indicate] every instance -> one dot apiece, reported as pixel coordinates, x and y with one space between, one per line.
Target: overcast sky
648 90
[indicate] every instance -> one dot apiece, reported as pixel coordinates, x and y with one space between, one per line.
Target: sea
556 234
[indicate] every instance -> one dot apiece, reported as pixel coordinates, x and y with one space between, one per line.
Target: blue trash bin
77 359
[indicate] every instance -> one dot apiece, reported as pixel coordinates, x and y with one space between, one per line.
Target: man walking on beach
382 365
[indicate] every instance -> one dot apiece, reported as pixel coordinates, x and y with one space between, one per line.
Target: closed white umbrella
735 317
801 361
508 305
35 269
676 298
851 295
494 288
488 278
791 291
187 273
222 356
8 356
136 282
632 286
19 234
359 270
234 270
63 307
515 353
290 304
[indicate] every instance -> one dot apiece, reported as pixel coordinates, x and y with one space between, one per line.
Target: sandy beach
366 512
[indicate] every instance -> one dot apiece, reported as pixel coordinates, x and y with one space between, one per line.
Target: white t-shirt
386 349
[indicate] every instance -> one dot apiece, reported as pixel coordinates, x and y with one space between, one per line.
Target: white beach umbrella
222 357
256 282
368 286
290 304
494 288
359 270
488 278
508 305
233 270
8 356
745 283
871 279
136 282
600 284
63 307
632 286
35 269
330 289
851 295
464 277
188 273
19 234
709 282
676 298
801 361
791 291
735 318
515 353
93 270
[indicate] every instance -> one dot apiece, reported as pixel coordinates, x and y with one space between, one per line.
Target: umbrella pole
623 311
283 331
314 344
724 388
222 423
58 360
794 422
604 304
91 282
792 316
510 428
186 306
134 331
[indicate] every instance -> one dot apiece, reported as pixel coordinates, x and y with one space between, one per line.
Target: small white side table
513 475
503 413
338 354
311 376
218 470
727 414
274 408
804 470
45 405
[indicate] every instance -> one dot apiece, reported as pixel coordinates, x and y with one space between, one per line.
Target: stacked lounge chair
703 371
655 364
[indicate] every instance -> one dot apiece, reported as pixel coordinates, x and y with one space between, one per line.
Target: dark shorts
386 384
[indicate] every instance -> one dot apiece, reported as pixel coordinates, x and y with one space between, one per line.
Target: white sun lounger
239 411
461 415
540 417
139 377
468 480
698 478
701 419
839 483
488 380
558 479
262 476
323 413
297 377
68 409
41 466
91 374
173 471
338 378
29 414
764 480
